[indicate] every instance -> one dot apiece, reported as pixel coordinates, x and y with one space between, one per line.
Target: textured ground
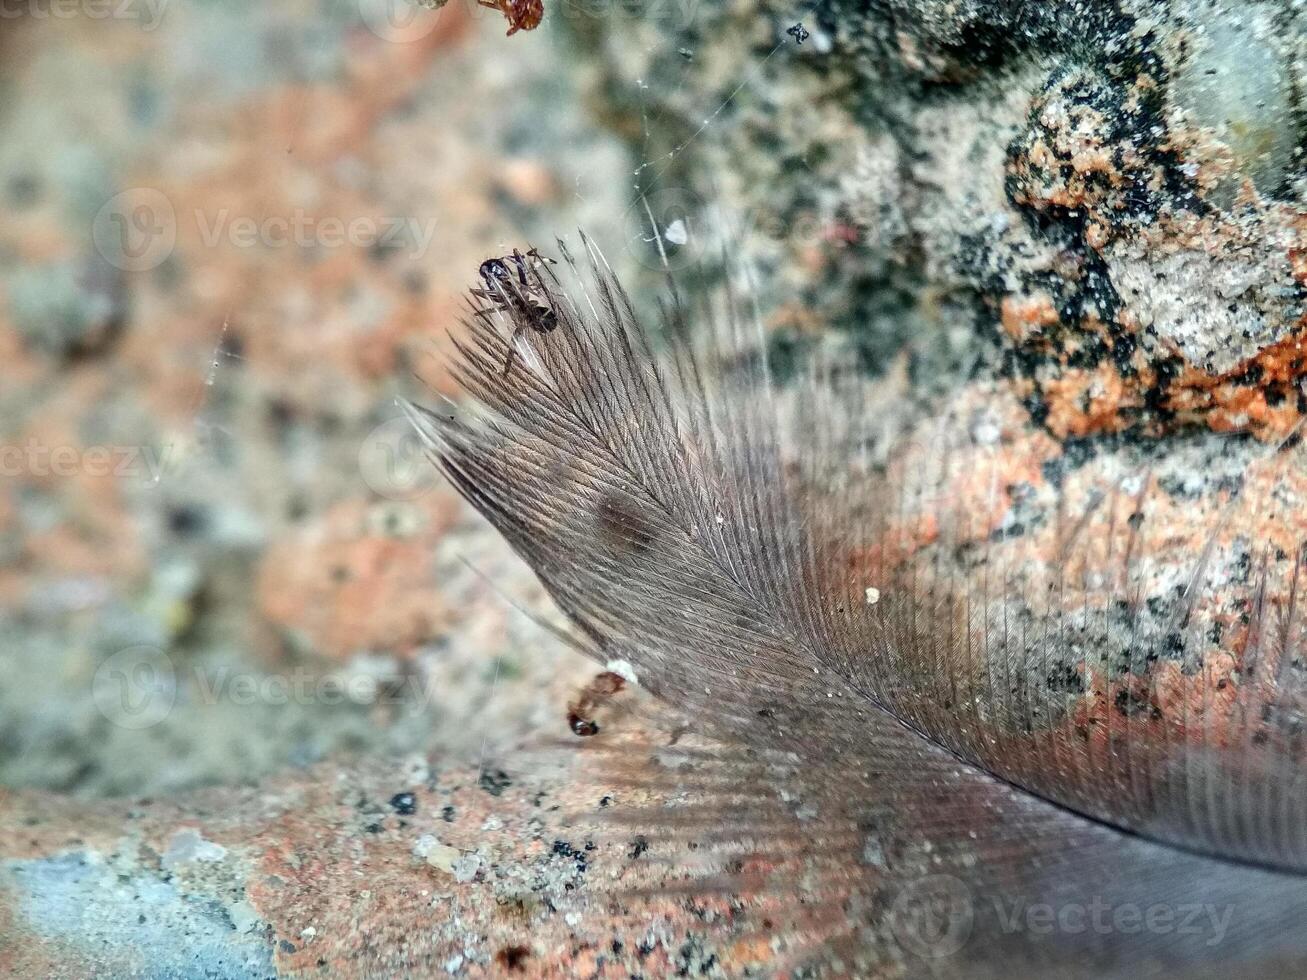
386 869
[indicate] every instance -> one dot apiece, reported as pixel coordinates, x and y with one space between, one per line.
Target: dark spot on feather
621 527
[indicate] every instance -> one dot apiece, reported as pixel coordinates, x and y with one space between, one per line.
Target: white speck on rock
187 845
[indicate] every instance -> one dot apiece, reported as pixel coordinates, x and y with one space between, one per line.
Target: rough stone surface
494 873
1050 186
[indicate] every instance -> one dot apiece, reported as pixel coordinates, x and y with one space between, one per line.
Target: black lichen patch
513 958
494 781
1131 703
564 849
1093 166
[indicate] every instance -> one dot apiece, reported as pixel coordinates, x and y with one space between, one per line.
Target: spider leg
520 261
512 349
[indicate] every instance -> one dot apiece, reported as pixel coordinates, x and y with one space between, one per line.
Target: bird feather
971 747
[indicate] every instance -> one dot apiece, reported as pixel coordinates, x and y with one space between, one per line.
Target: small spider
516 296
522 15
493 270
580 713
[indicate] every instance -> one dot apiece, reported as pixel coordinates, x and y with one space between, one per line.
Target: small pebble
440 856
466 868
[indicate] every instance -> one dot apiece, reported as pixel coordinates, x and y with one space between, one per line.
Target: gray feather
1046 718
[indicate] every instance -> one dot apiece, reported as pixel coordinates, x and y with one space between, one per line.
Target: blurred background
232 234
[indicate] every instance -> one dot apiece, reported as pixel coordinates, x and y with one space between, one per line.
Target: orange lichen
1082 403
1259 395
1024 316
